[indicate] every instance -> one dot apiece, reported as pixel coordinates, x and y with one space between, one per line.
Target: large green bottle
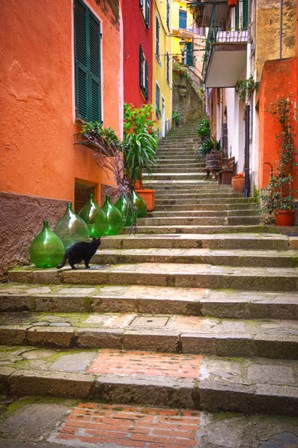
127 210
71 228
114 218
46 250
140 204
94 217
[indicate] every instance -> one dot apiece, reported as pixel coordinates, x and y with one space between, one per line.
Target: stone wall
21 219
186 100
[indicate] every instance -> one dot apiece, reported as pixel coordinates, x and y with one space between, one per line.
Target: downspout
247 115
280 29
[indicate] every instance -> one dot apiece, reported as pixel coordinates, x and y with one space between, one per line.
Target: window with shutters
168 14
157 33
145 7
157 100
182 19
168 67
189 53
144 84
87 56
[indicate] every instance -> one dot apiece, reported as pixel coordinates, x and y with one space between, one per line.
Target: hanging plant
244 88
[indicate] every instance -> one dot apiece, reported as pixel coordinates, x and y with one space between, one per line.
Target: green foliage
93 130
244 88
176 117
206 146
279 193
204 128
140 140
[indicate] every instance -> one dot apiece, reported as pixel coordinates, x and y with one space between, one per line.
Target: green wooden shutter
81 68
146 81
157 99
237 25
245 14
189 53
141 57
87 63
157 38
94 47
147 12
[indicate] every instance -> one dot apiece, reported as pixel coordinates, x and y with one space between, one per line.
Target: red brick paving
128 426
146 364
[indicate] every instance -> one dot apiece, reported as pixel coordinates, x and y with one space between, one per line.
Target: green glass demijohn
94 217
71 228
46 250
114 218
140 204
127 211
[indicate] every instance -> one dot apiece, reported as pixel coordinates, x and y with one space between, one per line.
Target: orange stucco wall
37 126
279 80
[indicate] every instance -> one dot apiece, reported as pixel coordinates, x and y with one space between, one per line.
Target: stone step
277 339
166 274
172 230
202 213
176 169
174 176
173 184
234 257
200 193
174 209
200 221
66 298
209 383
253 241
205 199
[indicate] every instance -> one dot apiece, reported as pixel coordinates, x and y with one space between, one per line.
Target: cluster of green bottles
47 248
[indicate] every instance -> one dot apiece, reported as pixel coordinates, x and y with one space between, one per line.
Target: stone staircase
198 310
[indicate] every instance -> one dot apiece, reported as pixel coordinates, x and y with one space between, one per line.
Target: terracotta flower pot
238 184
232 3
148 196
284 217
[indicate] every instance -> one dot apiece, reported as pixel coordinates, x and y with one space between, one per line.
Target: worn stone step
203 221
198 207
166 274
277 339
179 213
167 229
148 299
175 169
210 383
237 257
174 176
201 194
264 241
205 199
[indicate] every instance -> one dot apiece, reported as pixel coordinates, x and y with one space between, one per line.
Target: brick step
253 241
236 257
203 221
276 339
63 298
209 383
166 274
201 213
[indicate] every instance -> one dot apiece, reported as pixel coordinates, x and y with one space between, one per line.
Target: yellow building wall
268 31
176 34
160 66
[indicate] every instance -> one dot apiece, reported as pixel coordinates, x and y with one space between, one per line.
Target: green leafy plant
279 193
140 141
206 146
94 132
204 128
244 88
176 117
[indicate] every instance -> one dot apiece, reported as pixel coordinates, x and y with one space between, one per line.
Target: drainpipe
280 29
246 154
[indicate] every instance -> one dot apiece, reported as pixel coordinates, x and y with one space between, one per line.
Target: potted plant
139 147
278 197
232 3
238 183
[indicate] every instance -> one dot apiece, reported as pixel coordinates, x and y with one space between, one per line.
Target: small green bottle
71 228
140 203
114 218
127 210
46 250
94 217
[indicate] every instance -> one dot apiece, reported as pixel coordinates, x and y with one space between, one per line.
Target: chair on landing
227 172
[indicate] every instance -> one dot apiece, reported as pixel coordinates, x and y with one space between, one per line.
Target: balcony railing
221 37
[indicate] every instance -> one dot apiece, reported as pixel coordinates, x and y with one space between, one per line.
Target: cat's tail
63 261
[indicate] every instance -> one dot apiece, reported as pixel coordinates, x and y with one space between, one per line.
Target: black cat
80 251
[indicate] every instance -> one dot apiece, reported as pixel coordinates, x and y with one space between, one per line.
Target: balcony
225 57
